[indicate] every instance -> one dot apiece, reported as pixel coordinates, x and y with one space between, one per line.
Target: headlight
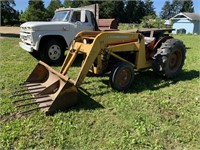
29 37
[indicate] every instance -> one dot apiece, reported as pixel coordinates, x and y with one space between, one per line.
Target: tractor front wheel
121 76
169 59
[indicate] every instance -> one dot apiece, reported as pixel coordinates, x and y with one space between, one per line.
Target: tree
54 4
119 12
149 8
9 16
136 10
176 7
140 11
130 11
78 3
188 6
35 12
166 12
112 9
67 3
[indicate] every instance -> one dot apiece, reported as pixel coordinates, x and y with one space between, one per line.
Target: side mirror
83 14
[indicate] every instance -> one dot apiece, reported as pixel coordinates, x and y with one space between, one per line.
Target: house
186 23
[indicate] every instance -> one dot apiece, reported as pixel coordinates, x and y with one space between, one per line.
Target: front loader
117 53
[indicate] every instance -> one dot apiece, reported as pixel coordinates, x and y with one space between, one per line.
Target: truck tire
169 59
52 52
121 76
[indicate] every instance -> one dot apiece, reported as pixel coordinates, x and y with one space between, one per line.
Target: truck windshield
61 16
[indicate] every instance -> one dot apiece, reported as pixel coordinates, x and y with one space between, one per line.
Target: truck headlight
29 37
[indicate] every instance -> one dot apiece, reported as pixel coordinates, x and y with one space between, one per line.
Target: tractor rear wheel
169 59
121 76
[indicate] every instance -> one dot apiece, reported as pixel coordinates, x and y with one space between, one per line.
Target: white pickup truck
52 38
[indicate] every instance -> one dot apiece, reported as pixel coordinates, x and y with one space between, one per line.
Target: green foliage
188 6
176 7
166 10
136 10
77 3
130 10
35 12
9 16
54 4
154 114
152 22
67 3
149 8
112 9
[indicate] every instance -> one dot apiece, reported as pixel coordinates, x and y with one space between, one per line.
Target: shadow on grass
85 102
147 80
77 62
10 35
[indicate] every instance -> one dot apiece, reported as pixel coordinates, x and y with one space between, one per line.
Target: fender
160 41
41 35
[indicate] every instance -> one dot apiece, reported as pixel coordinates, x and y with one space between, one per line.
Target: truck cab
51 38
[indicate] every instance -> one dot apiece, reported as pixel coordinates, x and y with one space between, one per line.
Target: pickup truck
51 39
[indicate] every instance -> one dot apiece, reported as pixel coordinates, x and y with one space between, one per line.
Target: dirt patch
9 32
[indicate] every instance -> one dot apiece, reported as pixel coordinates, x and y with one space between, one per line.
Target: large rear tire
169 59
121 76
52 52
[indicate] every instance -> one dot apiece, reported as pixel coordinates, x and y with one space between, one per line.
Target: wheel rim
175 60
123 78
54 52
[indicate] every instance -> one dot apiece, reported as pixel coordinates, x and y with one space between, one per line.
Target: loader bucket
51 90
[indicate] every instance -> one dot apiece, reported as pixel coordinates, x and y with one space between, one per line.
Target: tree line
125 11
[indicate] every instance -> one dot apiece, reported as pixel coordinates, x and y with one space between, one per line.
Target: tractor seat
149 42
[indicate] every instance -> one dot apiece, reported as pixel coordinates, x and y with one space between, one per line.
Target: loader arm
92 44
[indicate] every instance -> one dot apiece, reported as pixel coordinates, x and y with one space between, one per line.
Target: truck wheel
169 59
121 76
52 52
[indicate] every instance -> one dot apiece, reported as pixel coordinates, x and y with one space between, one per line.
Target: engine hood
51 25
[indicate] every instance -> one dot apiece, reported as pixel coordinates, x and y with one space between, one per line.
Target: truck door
79 24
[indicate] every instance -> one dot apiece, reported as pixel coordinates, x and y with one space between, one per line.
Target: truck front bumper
26 47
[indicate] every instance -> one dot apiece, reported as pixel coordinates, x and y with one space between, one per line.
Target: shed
186 23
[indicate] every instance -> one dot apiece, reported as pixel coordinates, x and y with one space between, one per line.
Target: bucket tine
21 94
37 88
28 84
24 99
48 100
18 91
33 109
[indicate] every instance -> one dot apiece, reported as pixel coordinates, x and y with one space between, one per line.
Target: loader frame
94 44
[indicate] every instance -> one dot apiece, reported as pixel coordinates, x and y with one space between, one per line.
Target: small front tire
121 76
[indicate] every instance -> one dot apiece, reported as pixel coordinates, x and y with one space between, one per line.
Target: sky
158 4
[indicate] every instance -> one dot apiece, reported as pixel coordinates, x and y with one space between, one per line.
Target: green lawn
154 114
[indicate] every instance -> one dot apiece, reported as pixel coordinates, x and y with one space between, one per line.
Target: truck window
61 16
77 17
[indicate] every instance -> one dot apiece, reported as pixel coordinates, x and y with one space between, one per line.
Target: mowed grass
154 114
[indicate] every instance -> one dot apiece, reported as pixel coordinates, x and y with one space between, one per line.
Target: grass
154 114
